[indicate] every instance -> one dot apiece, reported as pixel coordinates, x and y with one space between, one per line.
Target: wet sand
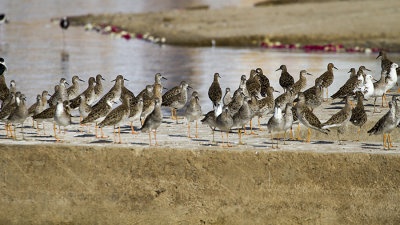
349 23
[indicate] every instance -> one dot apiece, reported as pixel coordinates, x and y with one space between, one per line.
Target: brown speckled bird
264 82
215 92
358 115
286 80
327 78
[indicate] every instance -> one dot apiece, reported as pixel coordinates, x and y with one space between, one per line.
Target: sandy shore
175 135
350 23
69 184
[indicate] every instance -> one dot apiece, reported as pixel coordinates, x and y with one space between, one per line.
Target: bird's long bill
278 69
165 88
66 83
335 67
219 76
190 87
81 80
113 80
309 74
103 78
367 69
349 71
164 78
277 91
379 55
126 79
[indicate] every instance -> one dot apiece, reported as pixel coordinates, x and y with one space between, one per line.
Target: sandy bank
51 184
350 23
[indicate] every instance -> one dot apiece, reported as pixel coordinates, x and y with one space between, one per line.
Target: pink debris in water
126 36
139 36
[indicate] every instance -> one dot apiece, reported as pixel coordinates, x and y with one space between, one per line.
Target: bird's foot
252 133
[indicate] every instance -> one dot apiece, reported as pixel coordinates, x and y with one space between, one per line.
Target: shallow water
33 48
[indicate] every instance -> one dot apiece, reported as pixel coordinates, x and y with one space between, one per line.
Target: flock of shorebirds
254 97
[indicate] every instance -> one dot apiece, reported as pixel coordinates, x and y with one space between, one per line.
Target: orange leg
114 134
291 133
55 132
133 131
298 133
244 130
390 142
277 142
119 134
44 129
259 124
149 137
11 131
309 136
272 141
240 136
95 127
227 138
155 136
172 113
196 130
384 141
102 135
251 129
6 128
189 130
398 88
222 137
384 97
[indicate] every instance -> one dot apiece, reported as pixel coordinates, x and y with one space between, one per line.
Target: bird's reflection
64 62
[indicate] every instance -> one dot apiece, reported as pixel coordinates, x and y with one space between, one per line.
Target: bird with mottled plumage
285 98
264 81
89 95
153 120
351 84
275 125
146 93
288 119
236 102
227 97
225 122
61 92
242 117
253 84
19 115
307 117
385 61
193 111
99 111
53 97
73 91
209 119
285 80
340 119
358 115
9 108
148 105
136 109
118 116
327 78
215 92
4 91
385 125
301 83
84 107
37 107
98 88
178 101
